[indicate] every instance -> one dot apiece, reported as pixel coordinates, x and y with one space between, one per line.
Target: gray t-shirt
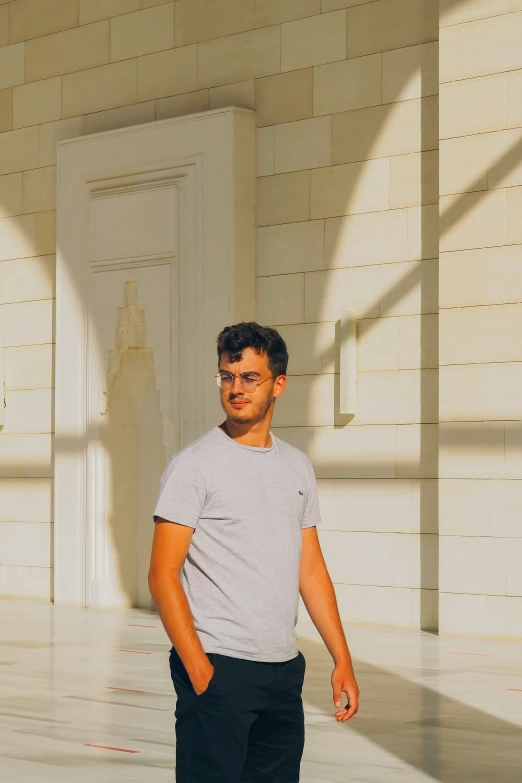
247 506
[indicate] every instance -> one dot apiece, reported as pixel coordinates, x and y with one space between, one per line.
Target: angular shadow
428 730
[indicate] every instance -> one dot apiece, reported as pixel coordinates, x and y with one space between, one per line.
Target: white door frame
210 159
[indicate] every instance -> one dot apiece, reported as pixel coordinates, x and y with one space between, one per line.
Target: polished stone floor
86 696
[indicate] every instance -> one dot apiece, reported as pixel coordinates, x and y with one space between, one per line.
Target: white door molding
196 175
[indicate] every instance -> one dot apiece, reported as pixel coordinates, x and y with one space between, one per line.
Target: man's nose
236 387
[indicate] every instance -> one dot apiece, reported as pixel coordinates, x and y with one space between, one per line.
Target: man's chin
243 416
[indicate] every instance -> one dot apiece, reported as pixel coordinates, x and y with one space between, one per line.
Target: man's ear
279 385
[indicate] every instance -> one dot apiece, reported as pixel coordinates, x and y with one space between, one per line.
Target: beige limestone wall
480 318
346 96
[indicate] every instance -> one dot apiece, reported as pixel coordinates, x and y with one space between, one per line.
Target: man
235 541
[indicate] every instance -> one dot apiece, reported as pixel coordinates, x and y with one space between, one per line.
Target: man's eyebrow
245 372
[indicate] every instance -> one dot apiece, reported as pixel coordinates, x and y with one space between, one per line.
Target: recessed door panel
155 254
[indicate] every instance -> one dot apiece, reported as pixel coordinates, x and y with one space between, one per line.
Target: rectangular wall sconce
348 363
2 385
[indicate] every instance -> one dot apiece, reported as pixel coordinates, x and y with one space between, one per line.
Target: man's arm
169 550
318 594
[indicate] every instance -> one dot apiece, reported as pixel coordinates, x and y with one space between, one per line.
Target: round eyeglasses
249 381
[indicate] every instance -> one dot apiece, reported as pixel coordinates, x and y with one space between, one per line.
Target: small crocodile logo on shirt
300 492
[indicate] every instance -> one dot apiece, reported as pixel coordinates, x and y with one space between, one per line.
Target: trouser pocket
212 681
180 678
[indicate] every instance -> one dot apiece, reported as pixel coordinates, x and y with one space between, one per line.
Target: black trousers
247 727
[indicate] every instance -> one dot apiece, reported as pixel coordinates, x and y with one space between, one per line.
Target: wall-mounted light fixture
2 385
348 363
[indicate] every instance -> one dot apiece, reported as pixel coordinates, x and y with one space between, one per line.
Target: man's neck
258 435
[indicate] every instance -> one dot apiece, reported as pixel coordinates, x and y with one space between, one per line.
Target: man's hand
318 594
202 681
343 681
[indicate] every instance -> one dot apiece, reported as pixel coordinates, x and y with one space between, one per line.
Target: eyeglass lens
225 381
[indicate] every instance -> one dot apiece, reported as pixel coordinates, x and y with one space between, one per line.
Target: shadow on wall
441 737
132 440
421 273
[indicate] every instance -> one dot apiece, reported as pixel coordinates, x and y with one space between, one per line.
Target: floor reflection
88 692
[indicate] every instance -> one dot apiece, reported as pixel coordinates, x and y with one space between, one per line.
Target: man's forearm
174 610
318 595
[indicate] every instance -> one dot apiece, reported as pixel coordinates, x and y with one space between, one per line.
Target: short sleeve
311 515
182 492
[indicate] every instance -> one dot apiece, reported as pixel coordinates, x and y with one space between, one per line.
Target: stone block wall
346 95
481 317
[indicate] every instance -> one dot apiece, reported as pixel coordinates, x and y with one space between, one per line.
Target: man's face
249 407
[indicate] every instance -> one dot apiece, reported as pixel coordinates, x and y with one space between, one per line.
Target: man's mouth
239 403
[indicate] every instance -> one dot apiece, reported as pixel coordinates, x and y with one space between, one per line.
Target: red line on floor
138 652
517 690
330 714
480 655
312 712
127 690
137 625
108 747
13 614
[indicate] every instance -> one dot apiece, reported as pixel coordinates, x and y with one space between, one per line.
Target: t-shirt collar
261 449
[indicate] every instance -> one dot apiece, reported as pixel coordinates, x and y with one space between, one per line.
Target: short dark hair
263 339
